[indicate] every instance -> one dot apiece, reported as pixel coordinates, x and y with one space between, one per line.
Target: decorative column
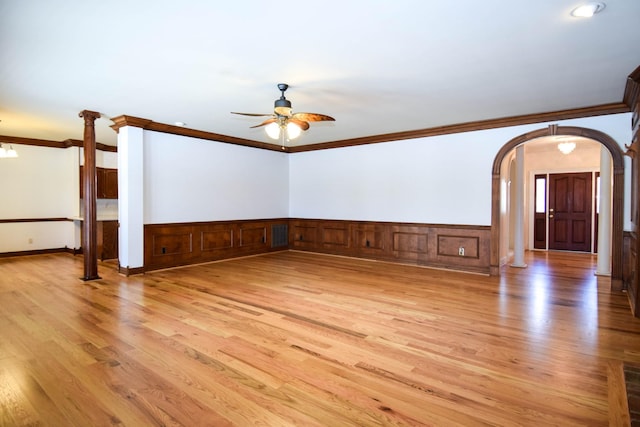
518 242
131 136
89 184
604 217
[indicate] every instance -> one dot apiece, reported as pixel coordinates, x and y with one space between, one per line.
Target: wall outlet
461 251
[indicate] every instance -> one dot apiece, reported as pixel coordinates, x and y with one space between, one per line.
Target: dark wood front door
570 211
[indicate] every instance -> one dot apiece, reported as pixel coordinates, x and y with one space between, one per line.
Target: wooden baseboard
127 271
35 252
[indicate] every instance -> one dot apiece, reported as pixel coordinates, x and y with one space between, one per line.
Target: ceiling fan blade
266 122
301 124
252 114
313 117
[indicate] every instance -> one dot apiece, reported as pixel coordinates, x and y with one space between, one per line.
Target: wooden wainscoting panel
466 248
430 245
369 238
335 234
458 246
305 234
170 245
630 269
252 236
173 244
216 239
409 243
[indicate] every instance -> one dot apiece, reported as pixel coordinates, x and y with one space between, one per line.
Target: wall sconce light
7 154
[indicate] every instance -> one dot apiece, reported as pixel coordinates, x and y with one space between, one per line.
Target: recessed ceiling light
587 10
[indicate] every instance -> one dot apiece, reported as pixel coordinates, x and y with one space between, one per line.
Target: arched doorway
617 193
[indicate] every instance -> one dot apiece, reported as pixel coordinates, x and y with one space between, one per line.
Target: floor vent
279 235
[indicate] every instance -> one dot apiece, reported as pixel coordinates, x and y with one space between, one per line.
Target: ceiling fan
284 121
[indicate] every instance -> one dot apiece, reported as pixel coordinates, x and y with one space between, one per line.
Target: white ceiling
376 66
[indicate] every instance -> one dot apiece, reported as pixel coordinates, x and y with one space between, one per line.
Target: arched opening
617 193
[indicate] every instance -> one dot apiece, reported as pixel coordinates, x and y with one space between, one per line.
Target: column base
518 265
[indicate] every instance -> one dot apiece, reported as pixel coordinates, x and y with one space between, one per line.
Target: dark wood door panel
559 187
570 207
109 239
560 232
540 232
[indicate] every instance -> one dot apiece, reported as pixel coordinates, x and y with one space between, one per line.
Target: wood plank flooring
300 339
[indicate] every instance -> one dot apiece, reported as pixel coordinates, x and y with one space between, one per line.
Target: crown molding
6 139
631 95
122 121
632 89
575 113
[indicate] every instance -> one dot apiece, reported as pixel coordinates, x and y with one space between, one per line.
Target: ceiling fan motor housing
282 106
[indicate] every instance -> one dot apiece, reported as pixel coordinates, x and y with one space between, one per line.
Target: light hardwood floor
303 339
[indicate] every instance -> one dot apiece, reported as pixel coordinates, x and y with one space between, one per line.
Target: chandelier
566 147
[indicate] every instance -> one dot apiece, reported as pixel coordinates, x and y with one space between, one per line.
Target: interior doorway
500 225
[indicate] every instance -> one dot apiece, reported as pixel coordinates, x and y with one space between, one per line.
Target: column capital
89 116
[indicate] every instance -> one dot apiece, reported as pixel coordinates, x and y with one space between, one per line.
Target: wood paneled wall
632 242
170 245
629 268
458 247
439 246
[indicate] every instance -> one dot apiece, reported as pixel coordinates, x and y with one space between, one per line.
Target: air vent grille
279 235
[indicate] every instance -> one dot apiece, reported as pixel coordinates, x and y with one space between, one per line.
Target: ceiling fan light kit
283 123
293 130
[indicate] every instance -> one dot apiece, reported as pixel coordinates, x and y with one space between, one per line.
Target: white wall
32 236
190 180
41 183
422 180
442 179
